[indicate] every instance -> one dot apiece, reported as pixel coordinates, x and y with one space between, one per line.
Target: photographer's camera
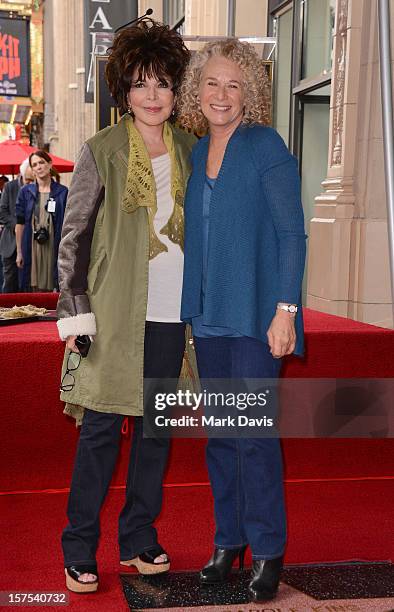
41 235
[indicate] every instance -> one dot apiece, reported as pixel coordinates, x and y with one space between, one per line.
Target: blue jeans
245 474
97 454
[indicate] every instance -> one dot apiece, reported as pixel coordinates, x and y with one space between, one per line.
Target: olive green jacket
103 270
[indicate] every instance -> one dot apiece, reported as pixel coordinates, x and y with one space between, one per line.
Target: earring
173 112
130 110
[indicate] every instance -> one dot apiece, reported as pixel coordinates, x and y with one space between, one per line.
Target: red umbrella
13 152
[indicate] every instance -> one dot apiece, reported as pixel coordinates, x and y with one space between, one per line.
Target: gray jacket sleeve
85 197
5 213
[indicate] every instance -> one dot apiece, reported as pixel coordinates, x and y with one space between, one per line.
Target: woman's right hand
19 260
70 344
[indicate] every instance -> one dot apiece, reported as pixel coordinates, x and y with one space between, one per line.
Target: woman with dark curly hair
120 268
244 261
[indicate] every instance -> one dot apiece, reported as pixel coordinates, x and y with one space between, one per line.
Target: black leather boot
265 578
219 566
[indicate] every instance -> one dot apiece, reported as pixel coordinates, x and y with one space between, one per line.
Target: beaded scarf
140 188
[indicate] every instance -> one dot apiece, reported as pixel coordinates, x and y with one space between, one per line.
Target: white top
166 269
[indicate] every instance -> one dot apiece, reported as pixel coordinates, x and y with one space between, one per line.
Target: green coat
103 268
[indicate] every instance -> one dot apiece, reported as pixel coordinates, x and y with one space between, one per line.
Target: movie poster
14 57
106 108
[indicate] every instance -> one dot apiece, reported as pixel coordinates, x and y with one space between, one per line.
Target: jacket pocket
96 273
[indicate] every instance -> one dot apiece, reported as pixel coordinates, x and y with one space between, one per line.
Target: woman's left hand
281 334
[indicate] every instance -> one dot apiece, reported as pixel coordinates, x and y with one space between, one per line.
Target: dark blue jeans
245 474
96 457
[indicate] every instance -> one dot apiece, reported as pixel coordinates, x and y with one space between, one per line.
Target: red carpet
339 492
42 300
34 426
318 532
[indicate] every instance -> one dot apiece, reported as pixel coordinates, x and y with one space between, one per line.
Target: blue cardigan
256 245
25 204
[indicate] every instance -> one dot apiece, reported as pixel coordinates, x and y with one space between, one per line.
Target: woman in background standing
39 218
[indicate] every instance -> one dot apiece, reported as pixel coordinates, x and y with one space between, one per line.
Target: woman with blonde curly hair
244 262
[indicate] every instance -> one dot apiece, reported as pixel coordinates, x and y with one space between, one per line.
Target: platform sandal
74 572
145 562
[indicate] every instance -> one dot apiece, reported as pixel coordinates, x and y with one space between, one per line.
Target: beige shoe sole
147 568
80 587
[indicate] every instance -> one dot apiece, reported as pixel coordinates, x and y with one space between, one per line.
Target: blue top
256 241
24 208
199 329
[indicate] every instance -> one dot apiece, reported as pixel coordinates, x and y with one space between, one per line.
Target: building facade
349 250
328 109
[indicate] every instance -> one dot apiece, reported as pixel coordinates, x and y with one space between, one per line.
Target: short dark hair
149 47
42 154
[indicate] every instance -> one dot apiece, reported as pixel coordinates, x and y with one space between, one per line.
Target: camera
41 235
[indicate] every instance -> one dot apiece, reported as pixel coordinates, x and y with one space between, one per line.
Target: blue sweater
199 329
256 244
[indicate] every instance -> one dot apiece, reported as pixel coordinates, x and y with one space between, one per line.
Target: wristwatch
291 308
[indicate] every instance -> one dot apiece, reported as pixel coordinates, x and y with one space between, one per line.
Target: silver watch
291 308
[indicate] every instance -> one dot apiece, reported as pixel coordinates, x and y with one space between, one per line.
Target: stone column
206 17
69 121
251 17
49 74
348 248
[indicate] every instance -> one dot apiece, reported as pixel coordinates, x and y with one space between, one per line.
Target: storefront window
283 28
319 16
302 89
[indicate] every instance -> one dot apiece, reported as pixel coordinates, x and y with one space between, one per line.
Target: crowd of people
32 209
161 231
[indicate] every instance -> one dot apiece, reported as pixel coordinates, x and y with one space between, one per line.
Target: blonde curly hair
257 88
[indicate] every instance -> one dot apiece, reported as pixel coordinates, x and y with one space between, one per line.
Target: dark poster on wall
14 57
106 109
102 17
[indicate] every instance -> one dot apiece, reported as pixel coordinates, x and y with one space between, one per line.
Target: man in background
3 181
8 220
